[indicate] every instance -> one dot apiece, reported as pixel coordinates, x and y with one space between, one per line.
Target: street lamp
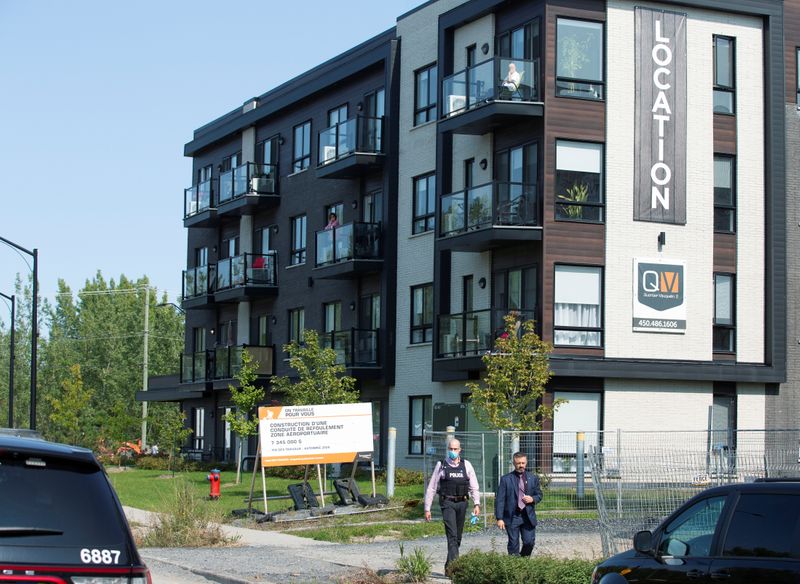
11 360
34 322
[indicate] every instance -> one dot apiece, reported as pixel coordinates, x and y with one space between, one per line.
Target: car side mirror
643 542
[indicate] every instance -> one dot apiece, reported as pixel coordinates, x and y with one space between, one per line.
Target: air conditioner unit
262 184
457 103
328 154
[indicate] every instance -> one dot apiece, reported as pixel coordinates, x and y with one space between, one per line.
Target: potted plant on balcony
577 193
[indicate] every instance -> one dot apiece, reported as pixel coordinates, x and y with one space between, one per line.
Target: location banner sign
322 434
659 300
659 182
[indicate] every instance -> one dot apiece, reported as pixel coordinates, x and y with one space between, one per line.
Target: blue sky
98 97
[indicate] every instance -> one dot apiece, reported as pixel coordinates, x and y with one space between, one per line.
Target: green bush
478 567
415 567
404 477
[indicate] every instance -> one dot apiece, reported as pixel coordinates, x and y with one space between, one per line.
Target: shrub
187 522
416 566
478 567
404 477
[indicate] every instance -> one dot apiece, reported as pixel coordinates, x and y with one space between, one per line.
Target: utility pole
144 362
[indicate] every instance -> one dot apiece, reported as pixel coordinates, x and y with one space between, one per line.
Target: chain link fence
628 481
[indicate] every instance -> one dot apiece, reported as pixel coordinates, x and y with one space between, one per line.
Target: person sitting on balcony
333 222
511 82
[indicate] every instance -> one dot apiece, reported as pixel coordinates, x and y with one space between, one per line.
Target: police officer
454 480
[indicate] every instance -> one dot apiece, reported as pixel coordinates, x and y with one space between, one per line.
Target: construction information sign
296 435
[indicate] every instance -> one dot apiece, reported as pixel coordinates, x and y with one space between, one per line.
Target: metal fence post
390 462
579 478
483 476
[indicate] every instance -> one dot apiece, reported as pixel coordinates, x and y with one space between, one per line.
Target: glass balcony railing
248 178
499 78
228 360
508 204
194 367
359 241
354 348
473 333
248 269
198 198
199 281
359 134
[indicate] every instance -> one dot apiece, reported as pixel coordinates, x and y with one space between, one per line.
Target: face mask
452 454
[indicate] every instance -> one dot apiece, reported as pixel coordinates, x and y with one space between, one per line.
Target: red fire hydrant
213 478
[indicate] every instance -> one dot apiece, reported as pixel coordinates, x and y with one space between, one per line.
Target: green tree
517 372
320 380
69 414
168 427
246 397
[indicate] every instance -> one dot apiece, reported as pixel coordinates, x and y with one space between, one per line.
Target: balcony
349 251
199 207
489 215
227 361
198 288
247 187
194 367
246 276
351 148
464 338
356 349
478 99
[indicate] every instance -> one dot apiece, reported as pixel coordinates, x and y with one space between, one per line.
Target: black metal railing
198 198
261 179
508 204
496 79
358 240
473 333
199 281
354 347
359 134
247 269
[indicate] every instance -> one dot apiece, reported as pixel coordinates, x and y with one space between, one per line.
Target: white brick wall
693 242
656 405
751 406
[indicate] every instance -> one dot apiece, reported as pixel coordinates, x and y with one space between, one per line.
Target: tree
320 379
246 397
169 428
510 396
70 415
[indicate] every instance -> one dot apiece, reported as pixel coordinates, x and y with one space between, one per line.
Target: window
422 313
691 532
579 181
333 316
424 203
301 158
724 314
370 312
297 325
578 311
579 59
425 81
467 300
372 207
337 115
374 103
336 208
230 248
724 194
263 331
200 256
421 408
298 255
519 43
230 162
764 525
199 427
267 151
199 339
515 290
724 75
204 173
262 239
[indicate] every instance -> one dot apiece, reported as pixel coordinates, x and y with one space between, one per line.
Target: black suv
740 533
60 519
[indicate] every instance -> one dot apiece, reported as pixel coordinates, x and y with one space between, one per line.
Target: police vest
454 481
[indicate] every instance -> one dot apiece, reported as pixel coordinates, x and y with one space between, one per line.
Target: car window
764 525
58 504
691 532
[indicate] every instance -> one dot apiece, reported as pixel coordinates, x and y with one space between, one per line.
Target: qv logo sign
660 285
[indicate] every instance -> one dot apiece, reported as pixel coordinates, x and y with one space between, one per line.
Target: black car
60 519
739 534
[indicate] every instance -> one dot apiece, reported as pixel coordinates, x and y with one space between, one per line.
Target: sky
98 98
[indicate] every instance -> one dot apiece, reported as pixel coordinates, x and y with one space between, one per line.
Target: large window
724 313
422 313
515 289
421 408
578 306
724 75
579 181
333 316
199 427
298 255
579 59
297 325
424 203
724 194
425 94
301 158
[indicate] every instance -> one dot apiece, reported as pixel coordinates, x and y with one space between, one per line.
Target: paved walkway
268 557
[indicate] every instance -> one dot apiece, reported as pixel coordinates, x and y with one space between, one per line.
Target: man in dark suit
515 506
